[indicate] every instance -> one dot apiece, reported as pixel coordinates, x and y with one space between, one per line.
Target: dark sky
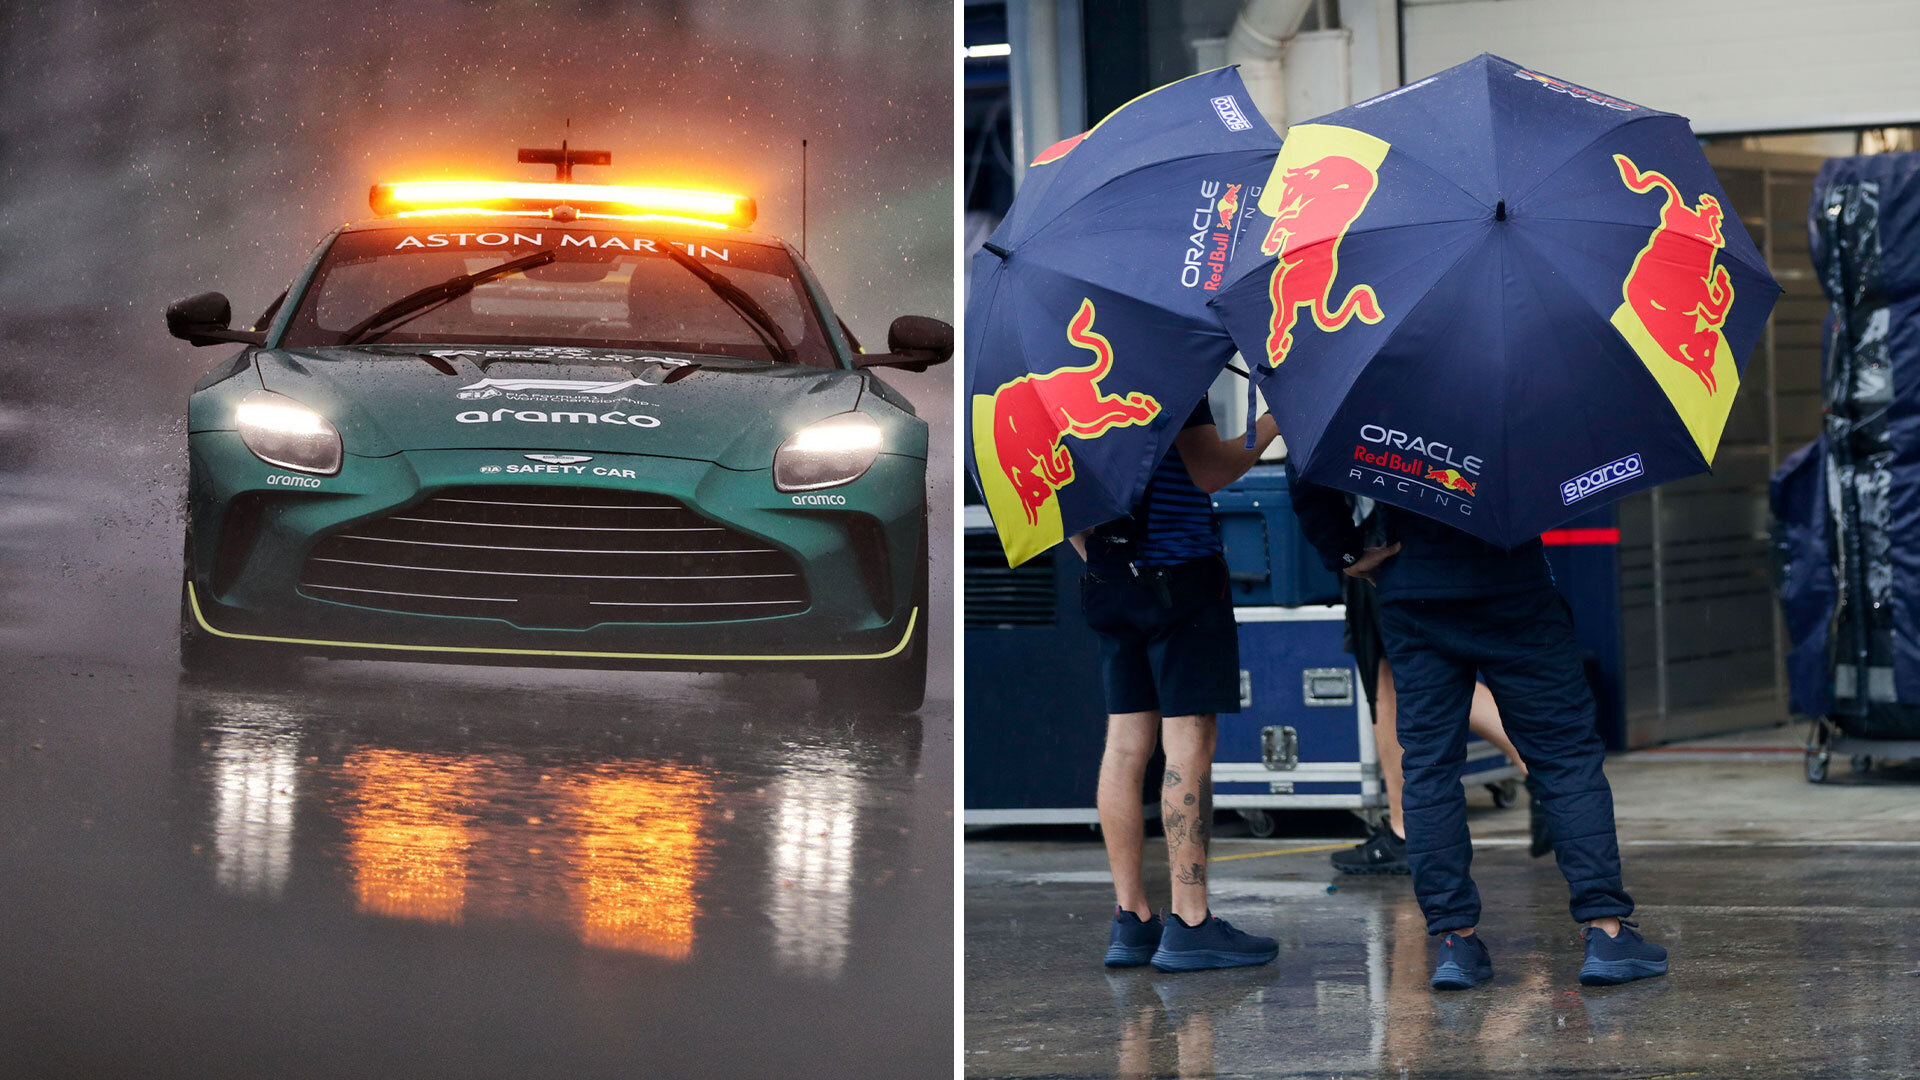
150 151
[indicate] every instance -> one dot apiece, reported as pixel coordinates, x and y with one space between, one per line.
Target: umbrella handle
1253 403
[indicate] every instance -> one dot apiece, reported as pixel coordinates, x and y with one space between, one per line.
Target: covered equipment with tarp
1864 232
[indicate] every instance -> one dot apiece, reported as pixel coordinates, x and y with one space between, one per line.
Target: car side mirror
914 343
203 319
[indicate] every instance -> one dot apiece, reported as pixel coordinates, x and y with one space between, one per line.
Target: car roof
499 222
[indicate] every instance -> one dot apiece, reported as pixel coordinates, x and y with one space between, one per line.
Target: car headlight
281 431
835 451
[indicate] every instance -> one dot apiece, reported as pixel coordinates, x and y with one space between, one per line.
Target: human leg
1385 850
1435 688
1186 809
1123 768
1483 719
1532 664
1386 742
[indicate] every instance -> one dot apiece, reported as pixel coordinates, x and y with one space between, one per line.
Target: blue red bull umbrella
1496 298
1088 337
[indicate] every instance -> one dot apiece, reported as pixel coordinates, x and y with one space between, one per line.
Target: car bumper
253 527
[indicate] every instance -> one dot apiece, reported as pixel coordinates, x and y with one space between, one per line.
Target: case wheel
1506 793
1817 761
1260 823
1861 763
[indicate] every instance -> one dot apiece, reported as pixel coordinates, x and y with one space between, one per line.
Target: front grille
999 595
555 558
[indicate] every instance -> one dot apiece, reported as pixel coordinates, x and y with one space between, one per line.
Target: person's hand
1370 560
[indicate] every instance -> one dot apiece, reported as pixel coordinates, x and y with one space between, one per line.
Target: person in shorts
1155 594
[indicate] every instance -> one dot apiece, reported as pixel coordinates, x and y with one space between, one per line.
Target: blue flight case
1268 560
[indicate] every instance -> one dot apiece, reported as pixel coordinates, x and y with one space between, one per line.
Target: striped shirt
1178 515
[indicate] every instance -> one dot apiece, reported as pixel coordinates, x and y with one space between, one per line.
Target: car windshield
606 288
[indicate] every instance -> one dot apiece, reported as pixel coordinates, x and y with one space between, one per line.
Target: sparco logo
819 500
1613 472
1230 113
537 416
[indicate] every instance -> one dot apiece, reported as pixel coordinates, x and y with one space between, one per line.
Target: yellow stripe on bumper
193 601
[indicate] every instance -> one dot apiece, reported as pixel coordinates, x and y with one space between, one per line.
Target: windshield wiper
418 301
749 308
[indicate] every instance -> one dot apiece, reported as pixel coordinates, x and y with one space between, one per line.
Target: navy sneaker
1382 853
1133 939
1464 962
1614 960
1212 944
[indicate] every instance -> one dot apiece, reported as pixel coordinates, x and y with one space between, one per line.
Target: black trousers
1523 645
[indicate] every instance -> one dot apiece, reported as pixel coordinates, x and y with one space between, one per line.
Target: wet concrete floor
389 870
1791 928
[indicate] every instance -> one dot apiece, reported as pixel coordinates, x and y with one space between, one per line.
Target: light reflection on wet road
380 867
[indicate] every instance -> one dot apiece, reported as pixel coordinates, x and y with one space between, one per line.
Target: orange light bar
521 196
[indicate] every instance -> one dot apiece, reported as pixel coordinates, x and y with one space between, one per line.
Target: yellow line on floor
1282 851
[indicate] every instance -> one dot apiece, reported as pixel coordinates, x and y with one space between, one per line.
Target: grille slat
429 557
535 573
559 527
593 551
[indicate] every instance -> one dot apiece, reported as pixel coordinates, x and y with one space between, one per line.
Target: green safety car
559 424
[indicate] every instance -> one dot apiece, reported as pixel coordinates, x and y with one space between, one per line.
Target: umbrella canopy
1497 299
1088 337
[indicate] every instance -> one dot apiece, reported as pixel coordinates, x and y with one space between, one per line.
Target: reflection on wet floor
255 784
407 838
636 856
619 848
1784 982
816 812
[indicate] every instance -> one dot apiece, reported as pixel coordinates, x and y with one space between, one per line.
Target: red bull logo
1060 149
1018 434
1228 206
1682 298
1452 480
1321 184
1675 301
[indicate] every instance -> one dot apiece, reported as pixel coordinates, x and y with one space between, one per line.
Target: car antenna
564 159
803 198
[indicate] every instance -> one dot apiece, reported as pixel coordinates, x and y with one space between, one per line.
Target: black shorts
1176 653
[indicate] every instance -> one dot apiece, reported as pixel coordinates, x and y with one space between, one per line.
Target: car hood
387 399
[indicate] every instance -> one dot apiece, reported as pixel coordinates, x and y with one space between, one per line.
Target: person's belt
1157 579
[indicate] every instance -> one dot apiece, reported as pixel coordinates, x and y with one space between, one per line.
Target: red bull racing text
1417 467
1215 234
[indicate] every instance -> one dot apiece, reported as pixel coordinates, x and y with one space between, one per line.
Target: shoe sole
1129 955
1451 976
1207 959
1597 972
1375 871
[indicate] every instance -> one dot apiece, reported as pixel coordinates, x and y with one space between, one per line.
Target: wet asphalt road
423 870
1788 910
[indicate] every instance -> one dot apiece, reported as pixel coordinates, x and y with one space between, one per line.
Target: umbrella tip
1500 211
996 249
